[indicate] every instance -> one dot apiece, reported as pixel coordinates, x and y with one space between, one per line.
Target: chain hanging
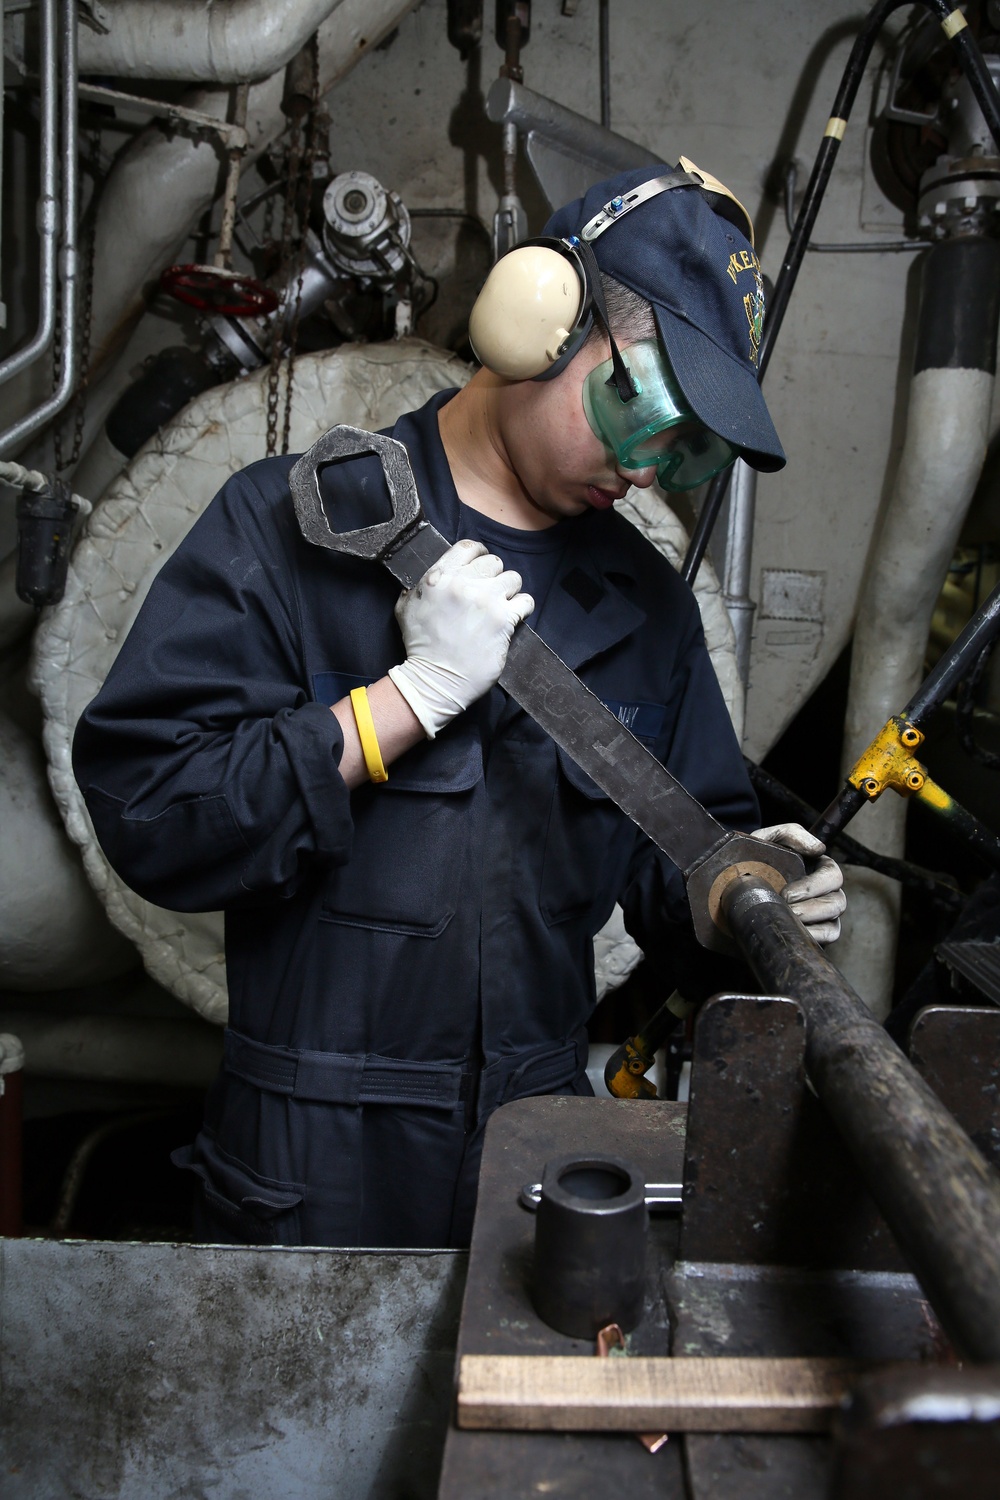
305 200
292 163
302 147
82 334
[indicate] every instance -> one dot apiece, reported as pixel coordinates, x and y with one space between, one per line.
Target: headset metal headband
616 208
689 174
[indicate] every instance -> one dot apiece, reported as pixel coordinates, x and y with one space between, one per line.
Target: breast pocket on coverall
410 835
589 839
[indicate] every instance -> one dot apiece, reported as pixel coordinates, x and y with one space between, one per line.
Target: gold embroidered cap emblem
753 304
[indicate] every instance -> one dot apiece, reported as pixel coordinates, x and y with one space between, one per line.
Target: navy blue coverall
404 958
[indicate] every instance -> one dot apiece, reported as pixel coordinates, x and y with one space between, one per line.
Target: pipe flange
367 227
960 196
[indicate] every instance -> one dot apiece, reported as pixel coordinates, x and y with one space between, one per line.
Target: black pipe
960 658
940 888
936 1192
170 379
834 819
705 525
977 835
959 306
971 61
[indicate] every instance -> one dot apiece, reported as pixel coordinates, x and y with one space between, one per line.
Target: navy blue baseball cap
701 276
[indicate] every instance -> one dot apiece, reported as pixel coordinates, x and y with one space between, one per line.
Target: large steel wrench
536 678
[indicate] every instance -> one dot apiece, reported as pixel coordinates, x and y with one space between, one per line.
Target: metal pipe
705 525
48 206
938 1195
70 267
230 41
956 662
736 570
535 115
161 184
223 254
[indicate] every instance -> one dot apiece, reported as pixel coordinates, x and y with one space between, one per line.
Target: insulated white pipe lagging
201 41
946 434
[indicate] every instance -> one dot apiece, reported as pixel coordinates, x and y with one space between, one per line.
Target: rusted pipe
936 1192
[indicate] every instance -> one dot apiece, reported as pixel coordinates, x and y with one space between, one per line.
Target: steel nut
590 1245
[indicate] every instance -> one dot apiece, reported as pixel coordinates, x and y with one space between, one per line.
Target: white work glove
457 623
818 900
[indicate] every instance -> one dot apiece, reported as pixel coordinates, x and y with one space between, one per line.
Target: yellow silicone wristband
366 733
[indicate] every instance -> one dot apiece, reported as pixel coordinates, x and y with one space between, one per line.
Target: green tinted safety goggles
656 427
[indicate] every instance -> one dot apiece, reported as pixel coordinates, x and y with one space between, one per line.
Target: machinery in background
356 271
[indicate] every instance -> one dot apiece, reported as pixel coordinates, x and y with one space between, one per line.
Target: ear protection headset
539 302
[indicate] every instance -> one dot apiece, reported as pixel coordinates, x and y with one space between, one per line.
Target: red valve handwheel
211 289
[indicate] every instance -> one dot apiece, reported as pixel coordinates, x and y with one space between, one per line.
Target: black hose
975 69
964 711
979 635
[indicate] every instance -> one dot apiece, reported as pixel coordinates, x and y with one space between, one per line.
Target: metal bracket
888 762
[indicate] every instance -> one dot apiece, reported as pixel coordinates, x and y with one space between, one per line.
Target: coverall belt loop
342 1078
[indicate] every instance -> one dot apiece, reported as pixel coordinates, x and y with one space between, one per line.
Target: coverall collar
588 609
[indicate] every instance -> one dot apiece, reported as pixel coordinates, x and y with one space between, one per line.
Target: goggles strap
620 377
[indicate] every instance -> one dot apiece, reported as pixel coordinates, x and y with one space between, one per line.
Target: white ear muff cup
527 311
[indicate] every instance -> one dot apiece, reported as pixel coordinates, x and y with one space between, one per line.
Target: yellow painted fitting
886 762
953 24
628 1082
836 126
935 796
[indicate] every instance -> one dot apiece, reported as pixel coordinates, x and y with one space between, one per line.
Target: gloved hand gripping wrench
708 856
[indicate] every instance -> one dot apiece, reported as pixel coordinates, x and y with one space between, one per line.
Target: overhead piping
163 182
223 41
48 206
70 267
